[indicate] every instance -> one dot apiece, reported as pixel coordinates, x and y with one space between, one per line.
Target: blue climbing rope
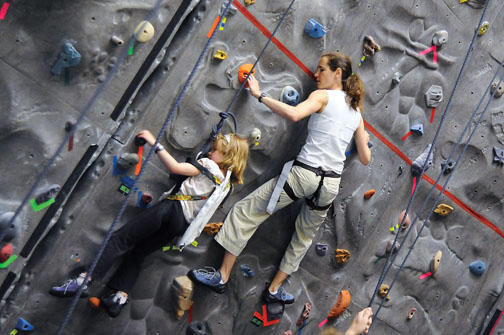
99 90
224 115
149 155
391 255
468 125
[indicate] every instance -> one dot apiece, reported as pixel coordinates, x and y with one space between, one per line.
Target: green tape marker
8 262
167 248
43 205
130 51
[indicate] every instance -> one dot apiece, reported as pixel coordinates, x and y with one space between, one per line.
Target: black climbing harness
310 201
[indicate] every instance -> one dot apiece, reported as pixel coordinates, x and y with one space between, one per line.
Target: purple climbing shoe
210 277
70 287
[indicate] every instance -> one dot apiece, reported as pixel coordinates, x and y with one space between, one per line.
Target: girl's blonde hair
235 155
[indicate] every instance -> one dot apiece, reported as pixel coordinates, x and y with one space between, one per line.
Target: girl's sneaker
114 303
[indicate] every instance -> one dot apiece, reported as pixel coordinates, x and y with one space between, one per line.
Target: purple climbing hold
321 249
498 155
418 163
247 271
477 268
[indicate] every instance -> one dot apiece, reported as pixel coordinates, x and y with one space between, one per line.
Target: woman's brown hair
352 84
235 155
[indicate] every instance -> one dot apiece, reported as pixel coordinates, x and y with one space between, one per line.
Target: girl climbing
334 110
156 226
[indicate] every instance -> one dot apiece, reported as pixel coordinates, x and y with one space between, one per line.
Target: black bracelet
263 95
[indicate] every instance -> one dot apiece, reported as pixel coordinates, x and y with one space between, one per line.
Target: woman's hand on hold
147 135
253 84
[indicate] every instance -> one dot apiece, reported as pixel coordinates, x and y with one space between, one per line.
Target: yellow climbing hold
484 28
146 33
462 1
443 209
251 2
220 55
436 261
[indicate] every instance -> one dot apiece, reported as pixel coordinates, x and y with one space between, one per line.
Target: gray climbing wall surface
50 243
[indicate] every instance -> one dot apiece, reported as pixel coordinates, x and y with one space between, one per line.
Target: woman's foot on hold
70 287
210 277
114 303
280 296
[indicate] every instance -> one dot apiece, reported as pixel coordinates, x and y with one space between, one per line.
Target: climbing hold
321 249
341 304
434 265
434 96
115 40
145 199
418 163
231 11
483 28
342 256
389 247
68 57
370 46
220 55
146 33
94 302
498 155
275 311
289 96
477 268
396 79
7 230
500 90
255 137
212 228
247 271
369 193
182 293
304 315
47 193
447 166
440 38
249 2
127 160
314 29
417 129
23 325
69 126
443 209
243 72
6 252
198 328
406 222
383 292
140 141
411 313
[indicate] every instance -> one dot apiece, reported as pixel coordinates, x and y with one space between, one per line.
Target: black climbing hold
69 126
198 328
498 155
449 166
417 129
8 231
418 163
275 310
139 141
47 194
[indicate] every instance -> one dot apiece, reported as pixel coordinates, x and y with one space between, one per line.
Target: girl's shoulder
212 166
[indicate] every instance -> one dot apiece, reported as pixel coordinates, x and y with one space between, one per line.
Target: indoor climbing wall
58 57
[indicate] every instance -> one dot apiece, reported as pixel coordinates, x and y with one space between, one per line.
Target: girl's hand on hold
147 135
253 84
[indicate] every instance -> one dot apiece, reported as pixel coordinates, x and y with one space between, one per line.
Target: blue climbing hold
247 271
477 268
23 325
68 57
314 29
417 129
290 96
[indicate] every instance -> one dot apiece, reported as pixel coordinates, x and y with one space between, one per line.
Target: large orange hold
369 193
341 304
243 72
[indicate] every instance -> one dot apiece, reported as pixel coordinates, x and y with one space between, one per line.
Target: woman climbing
334 110
156 226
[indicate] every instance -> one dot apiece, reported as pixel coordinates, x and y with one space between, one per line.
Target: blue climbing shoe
281 296
210 277
70 287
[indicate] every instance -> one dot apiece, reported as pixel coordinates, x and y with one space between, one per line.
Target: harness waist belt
318 171
183 197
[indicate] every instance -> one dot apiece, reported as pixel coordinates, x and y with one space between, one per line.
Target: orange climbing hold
342 256
243 72
369 193
94 302
341 304
212 228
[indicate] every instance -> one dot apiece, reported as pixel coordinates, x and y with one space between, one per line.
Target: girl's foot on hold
114 303
210 277
70 287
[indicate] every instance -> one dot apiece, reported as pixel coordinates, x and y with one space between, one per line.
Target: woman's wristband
158 148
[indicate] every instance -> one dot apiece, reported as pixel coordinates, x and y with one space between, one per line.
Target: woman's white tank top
329 134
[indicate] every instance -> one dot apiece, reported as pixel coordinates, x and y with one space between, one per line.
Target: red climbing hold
243 72
5 252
